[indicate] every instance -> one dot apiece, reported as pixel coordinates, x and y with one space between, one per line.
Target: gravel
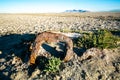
18 31
16 23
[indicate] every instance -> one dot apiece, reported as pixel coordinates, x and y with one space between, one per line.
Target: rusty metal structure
49 37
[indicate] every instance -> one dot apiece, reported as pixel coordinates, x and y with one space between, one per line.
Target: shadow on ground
14 45
18 45
79 51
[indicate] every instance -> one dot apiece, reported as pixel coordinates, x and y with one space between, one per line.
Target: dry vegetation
18 31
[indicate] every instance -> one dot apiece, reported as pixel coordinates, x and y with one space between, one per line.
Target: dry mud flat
17 31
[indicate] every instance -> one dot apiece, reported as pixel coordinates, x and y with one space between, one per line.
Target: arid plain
18 31
35 23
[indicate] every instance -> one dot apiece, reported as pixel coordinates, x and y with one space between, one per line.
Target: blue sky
38 6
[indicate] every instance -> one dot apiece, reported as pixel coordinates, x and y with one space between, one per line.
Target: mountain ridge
79 10
115 10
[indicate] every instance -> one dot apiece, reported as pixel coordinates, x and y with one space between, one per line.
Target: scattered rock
16 60
2 60
0 52
18 31
93 52
20 76
35 74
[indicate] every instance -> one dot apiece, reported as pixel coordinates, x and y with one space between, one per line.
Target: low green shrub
53 65
98 38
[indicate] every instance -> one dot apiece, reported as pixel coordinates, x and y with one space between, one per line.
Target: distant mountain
74 10
115 10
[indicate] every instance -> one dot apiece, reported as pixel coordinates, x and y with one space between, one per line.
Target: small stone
5 73
20 76
41 75
2 60
0 52
2 67
16 60
35 73
57 78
